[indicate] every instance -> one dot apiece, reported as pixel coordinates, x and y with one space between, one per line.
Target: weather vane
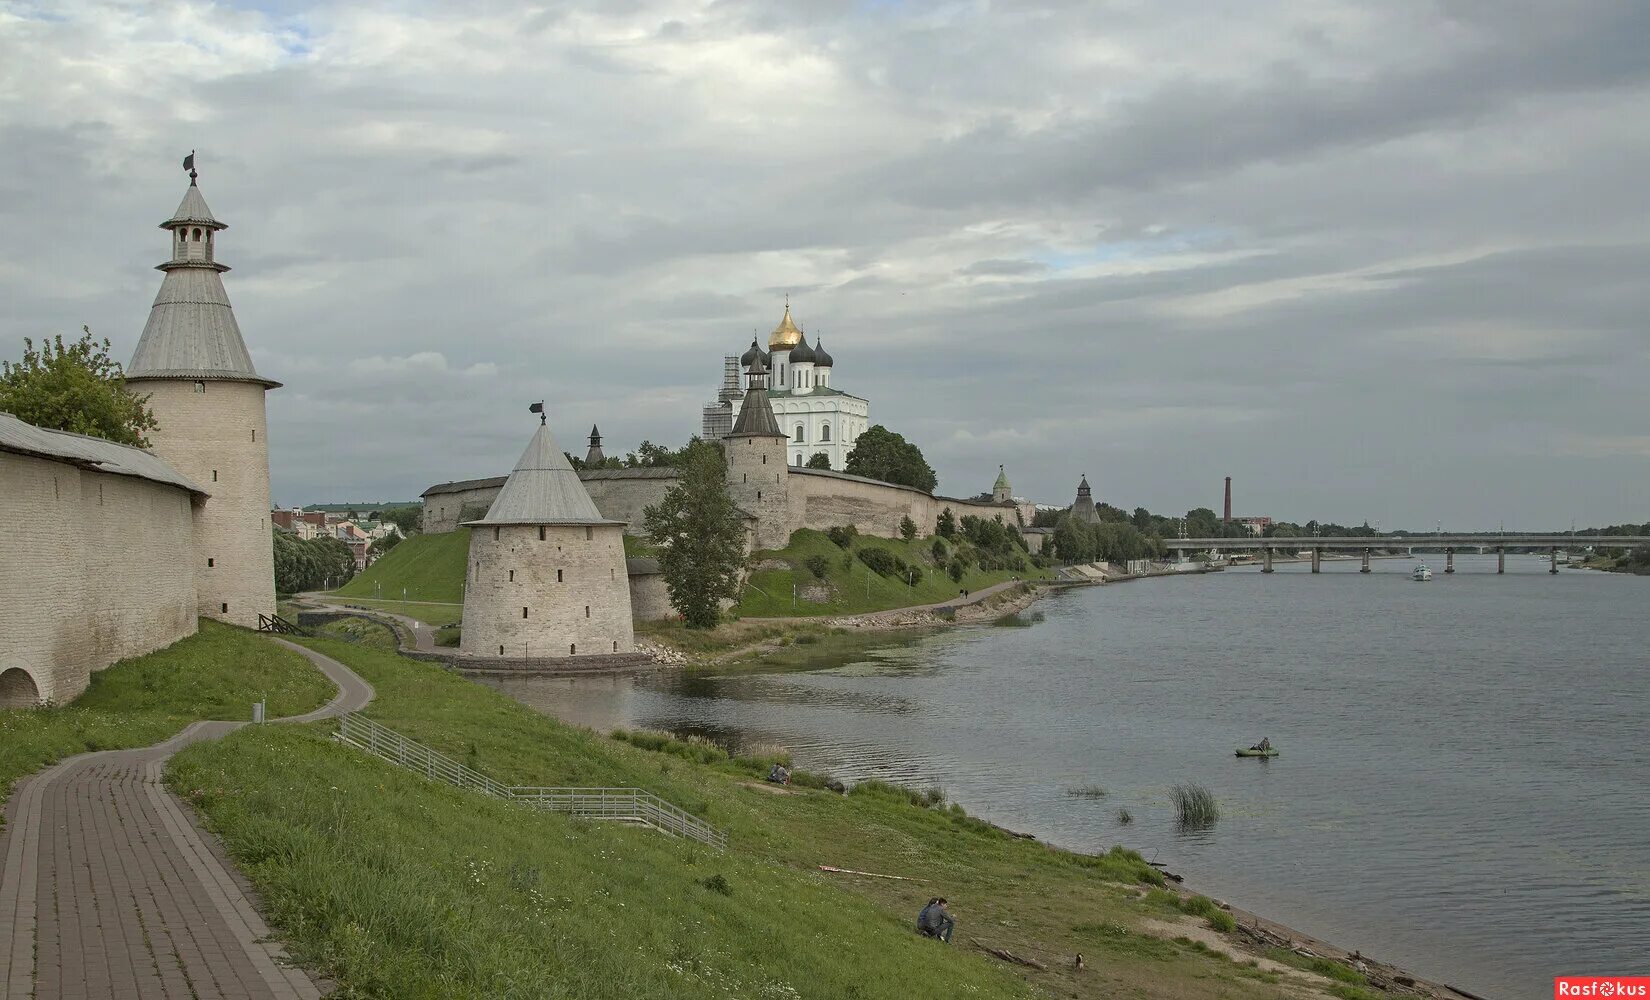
189 165
538 408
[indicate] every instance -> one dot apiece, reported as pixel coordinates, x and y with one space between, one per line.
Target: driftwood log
1009 956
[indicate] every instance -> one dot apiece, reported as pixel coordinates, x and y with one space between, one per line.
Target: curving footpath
110 890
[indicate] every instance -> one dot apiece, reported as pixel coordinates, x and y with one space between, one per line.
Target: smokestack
1228 499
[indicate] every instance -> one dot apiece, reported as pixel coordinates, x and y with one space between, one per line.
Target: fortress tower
757 476
1083 508
1001 492
209 403
547 572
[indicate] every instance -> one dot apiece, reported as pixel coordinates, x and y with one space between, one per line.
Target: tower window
572 649
541 532
501 650
764 460
825 432
214 475
587 611
524 612
495 534
254 436
197 236
200 386
615 645
758 494
225 607
744 477
210 562
512 576
799 435
589 533
558 576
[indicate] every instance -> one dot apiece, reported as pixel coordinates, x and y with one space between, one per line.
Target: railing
277 624
625 805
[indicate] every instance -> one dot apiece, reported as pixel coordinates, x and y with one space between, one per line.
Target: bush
717 884
1194 806
818 565
956 569
907 528
939 551
843 535
879 561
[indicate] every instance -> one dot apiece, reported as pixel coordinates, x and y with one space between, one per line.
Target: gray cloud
1374 263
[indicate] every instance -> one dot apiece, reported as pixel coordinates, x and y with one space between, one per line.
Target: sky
1382 262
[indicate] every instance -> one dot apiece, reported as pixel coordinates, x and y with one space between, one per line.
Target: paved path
110 890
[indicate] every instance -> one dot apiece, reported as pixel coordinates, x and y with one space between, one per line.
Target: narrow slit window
501 650
541 532
214 475
572 649
512 576
225 607
524 612
558 576
495 534
589 533
587 611
210 562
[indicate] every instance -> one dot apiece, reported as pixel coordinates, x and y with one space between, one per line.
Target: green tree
818 460
945 525
907 528
408 518
74 387
879 453
653 456
384 543
701 536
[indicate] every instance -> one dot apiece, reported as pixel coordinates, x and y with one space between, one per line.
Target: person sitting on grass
779 774
935 920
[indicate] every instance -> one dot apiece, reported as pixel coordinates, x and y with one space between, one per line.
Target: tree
701 536
879 453
655 456
384 543
907 528
310 564
408 519
818 460
945 525
75 387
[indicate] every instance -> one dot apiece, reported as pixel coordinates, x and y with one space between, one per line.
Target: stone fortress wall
814 499
98 567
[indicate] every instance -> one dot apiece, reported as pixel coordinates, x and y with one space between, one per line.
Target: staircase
279 625
633 806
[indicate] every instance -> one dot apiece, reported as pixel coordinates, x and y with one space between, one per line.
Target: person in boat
779 774
1264 744
935 920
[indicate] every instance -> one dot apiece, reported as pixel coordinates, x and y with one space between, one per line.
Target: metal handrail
625 805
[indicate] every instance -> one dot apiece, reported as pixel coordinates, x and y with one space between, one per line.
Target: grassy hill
849 586
394 885
427 567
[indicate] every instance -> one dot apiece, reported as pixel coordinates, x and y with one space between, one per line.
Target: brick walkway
110 889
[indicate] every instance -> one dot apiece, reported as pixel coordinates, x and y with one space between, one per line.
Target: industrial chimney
1228 500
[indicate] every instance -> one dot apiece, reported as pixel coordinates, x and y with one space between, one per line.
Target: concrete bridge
1368 544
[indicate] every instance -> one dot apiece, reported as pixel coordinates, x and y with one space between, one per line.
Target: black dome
821 359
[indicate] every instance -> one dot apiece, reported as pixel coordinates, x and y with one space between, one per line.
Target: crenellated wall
98 567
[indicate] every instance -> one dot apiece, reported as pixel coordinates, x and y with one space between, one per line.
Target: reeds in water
1086 792
1194 806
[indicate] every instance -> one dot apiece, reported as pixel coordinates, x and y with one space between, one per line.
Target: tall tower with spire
593 458
1001 491
209 403
1083 509
757 474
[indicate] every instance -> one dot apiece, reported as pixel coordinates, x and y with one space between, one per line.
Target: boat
1420 572
1253 752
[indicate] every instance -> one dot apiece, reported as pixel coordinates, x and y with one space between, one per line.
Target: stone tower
1001 492
209 403
1083 509
594 457
546 577
758 479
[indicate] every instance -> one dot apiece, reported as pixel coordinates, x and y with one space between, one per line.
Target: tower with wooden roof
208 400
755 452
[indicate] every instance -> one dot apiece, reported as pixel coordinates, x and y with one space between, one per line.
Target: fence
635 806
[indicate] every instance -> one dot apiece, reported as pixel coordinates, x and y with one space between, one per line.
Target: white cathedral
816 417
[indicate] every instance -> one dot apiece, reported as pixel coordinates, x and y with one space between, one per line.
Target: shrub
956 569
879 561
716 883
939 551
1194 806
818 565
907 528
843 535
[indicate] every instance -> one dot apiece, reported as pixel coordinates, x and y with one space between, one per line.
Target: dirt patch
769 787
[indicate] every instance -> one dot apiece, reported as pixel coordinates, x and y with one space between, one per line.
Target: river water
1464 787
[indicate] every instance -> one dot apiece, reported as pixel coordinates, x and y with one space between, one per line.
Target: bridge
1367 544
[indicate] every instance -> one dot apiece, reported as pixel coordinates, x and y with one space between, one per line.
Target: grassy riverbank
400 887
421 568
217 673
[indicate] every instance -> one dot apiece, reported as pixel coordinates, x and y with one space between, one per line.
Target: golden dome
786 335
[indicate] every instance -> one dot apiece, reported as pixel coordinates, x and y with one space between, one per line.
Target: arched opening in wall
797 460
196 235
572 649
825 432
17 689
799 435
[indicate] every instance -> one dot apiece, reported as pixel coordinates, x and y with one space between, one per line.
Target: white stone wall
650 598
623 499
218 437
442 511
584 611
94 568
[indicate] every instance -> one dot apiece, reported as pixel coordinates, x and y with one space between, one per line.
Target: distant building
1083 507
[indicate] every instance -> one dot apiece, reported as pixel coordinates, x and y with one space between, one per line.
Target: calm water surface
1465 780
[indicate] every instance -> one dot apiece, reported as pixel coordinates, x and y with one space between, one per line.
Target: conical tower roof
756 417
1002 480
192 333
543 489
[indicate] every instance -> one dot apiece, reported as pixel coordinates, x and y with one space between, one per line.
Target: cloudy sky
1374 261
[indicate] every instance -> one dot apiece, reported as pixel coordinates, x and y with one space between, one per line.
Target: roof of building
463 485
193 209
93 453
543 489
192 333
1002 481
786 335
756 417
817 390
821 359
752 353
802 354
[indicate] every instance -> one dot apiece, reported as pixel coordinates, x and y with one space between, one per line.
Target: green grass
216 673
396 886
425 567
853 588
363 631
1328 968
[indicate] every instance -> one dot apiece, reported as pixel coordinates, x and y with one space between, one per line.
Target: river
1464 786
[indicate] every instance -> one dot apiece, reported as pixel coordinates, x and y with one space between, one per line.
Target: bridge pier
1317 556
1266 567
1554 568
1366 562
1500 558
1449 560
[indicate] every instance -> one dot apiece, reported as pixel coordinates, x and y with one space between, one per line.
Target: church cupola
781 342
822 364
